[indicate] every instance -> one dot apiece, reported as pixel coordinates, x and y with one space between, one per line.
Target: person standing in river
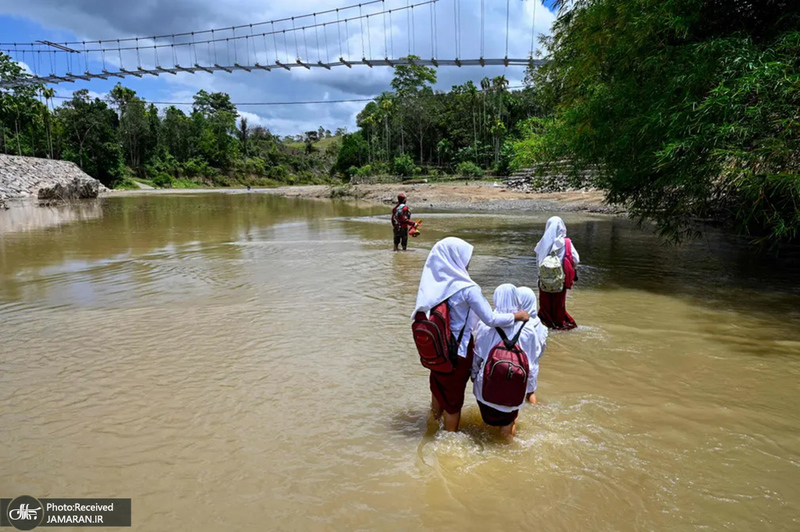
445 279
557 259
401 222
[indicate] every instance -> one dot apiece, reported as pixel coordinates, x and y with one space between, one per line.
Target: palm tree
486 86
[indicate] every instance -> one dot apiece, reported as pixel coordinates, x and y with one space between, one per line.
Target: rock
77 188
551 177
22 177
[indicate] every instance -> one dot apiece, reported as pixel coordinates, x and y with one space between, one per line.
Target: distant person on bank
445 280
401 222
557 259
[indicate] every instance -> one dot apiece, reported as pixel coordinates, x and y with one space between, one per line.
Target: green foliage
688 108
184 183
437 128
469 169
163 180
353 152
125 136
126 183
403 166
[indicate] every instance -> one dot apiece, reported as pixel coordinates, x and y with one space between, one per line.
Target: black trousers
401 237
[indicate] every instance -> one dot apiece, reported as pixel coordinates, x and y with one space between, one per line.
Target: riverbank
475 196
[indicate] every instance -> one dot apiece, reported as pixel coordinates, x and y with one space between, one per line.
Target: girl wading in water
448 297
557 259
505 376
527 299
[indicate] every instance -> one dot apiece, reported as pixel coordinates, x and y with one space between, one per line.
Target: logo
25 513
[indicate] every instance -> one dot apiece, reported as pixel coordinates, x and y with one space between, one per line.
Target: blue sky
78 20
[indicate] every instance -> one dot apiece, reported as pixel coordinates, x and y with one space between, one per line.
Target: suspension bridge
375 33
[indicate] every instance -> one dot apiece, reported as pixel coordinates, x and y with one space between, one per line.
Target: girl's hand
521 315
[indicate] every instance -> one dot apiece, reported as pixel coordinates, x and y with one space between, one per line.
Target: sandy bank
462 196
476 196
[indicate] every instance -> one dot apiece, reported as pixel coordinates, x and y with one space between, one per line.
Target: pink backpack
505 373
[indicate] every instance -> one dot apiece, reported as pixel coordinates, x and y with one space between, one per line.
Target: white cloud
100 19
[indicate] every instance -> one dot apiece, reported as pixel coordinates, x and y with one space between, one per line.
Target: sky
85 20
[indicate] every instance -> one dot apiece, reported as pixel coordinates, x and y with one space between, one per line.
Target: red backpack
437 346
505 373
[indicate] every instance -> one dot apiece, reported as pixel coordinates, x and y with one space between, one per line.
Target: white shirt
530 340
470 301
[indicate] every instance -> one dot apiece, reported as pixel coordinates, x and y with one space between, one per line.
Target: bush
126 183
184 183
364 171
469 169
403 165
163 180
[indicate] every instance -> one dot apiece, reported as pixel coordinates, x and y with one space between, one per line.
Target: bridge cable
433 54
274 42
296 47
391 34
347 37
235 52
455 29
327 48
483 32
361 22
316 33
385 38
435 25
339 29
508 4
409 32
533 27
369 39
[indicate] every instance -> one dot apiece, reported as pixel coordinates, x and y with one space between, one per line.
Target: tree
687 109
244 134
354 151
88 129
214 119
310 138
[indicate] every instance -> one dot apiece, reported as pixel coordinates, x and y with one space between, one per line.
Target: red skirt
449 388
553 310
495 418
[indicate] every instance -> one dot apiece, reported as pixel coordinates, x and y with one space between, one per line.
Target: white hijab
527 299
553 240
444 274
506 300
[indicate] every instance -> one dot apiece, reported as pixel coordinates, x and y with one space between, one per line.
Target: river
235 362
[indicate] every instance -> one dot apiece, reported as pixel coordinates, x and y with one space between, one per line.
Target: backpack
552 277
436 344
399 216
505 372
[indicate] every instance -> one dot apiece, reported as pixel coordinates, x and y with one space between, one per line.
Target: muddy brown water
244 362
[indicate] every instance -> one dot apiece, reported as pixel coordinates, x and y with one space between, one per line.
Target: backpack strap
510 343
464 328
